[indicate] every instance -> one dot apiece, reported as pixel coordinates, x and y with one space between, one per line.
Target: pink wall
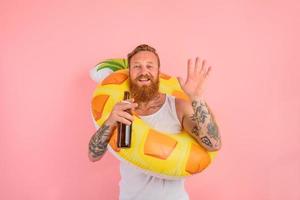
47 48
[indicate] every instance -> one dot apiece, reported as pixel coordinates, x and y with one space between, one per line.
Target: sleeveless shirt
136 184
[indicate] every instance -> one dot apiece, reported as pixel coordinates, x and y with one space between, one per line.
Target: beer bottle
124 130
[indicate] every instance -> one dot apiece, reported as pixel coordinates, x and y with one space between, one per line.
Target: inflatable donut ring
170 156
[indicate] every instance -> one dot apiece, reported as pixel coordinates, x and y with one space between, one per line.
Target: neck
151 106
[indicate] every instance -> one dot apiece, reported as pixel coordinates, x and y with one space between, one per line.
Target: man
162 112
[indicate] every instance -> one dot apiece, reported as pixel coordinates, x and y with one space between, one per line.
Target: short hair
142 47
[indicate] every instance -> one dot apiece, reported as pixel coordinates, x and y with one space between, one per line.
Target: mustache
144 76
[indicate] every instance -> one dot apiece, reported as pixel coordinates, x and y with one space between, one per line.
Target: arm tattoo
99 141
200 112
206 141
195 130
206 126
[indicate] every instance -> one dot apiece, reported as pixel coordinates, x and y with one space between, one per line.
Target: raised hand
196 75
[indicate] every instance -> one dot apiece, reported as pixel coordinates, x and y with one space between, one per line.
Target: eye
136 66
149 66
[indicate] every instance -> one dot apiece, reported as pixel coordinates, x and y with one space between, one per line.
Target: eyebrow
137 62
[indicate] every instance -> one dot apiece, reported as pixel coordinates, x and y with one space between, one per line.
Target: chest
151 107
149 110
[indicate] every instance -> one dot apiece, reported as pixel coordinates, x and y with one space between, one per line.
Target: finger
190 69
181 82
126 105
197 65
132 100
123 120
125 115
130 106
203 68
208 70
128 100
135 106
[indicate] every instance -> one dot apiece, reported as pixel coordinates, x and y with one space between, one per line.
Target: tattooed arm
206 126
196 117
99 141
198 120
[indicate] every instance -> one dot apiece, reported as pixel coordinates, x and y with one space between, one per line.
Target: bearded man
164 113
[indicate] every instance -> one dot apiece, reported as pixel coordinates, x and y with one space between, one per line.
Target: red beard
146 92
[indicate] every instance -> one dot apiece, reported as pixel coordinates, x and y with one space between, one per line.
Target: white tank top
137 185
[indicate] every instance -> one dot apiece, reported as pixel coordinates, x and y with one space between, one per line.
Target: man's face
144 76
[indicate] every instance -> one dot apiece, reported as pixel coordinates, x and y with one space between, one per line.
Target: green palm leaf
113 64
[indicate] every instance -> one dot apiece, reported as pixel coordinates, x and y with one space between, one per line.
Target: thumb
131 100
180 81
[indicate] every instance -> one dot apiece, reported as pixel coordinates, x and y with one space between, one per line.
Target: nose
144 70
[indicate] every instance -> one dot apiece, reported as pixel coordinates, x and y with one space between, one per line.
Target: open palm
196 75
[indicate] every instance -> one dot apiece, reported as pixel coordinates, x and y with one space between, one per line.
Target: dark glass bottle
124 130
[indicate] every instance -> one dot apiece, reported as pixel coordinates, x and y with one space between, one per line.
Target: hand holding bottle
120 114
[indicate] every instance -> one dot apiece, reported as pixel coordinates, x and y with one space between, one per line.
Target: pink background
48 47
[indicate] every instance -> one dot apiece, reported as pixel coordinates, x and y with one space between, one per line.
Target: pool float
170 156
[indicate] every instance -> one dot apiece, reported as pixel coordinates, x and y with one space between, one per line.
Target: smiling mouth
144 80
